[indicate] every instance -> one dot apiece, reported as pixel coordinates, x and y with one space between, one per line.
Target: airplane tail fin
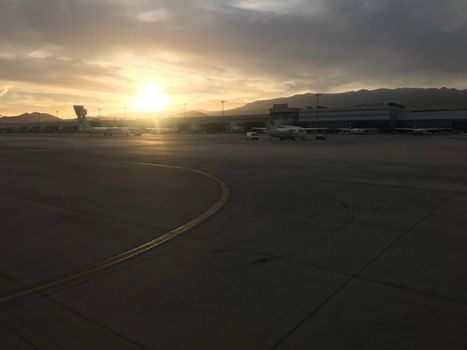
268 124
81 114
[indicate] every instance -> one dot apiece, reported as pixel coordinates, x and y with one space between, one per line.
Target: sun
151 99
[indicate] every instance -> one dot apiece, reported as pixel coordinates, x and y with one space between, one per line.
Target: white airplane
152 131
102 130
287 131
420 131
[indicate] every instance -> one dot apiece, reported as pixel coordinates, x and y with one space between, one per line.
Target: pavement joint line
338 272
19 336
46 175
149 245
35 331
357 275
413 290
411 228
99 324
432 235
82 212
65 307
313 312
363 183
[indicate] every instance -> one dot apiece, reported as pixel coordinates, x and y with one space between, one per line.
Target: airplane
285 132
167 130
104 130
421 131
356 131
237 128
152 131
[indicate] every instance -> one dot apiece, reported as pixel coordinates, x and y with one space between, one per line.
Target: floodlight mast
317 109
222 102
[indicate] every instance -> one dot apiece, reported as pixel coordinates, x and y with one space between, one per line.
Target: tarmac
356 242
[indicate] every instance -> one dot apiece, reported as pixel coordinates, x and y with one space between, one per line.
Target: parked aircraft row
84 126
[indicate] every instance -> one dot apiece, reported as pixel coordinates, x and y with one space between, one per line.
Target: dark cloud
306 45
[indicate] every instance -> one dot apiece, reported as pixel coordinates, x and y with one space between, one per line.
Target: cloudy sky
102 53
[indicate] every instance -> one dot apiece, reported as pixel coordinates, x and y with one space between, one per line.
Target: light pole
317 109
185 127
222 102
57 116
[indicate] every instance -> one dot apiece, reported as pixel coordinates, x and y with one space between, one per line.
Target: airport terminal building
382 116
378 116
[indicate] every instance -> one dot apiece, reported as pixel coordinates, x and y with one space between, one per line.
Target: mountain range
412 98
29 118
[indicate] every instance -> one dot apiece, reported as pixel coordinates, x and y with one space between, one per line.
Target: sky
122 56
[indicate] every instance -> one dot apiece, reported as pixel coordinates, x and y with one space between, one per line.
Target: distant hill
189 114
411 98
29 118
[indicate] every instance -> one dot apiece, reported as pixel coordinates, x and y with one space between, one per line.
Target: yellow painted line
76 274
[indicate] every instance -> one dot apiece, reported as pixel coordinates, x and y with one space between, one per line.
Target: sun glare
151 99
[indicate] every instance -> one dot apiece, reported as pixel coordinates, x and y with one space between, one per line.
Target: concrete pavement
358 242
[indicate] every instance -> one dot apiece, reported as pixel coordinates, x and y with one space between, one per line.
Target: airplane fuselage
101 130
152 131
421 132
284 133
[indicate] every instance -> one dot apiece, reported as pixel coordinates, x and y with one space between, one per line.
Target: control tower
80 111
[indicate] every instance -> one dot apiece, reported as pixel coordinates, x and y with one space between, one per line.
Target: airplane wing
314 128
161 130
259 128
426 129
157 129
433 129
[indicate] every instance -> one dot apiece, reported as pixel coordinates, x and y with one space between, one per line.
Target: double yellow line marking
74 275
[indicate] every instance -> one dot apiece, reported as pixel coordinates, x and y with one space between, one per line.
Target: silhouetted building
283 114
380 116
